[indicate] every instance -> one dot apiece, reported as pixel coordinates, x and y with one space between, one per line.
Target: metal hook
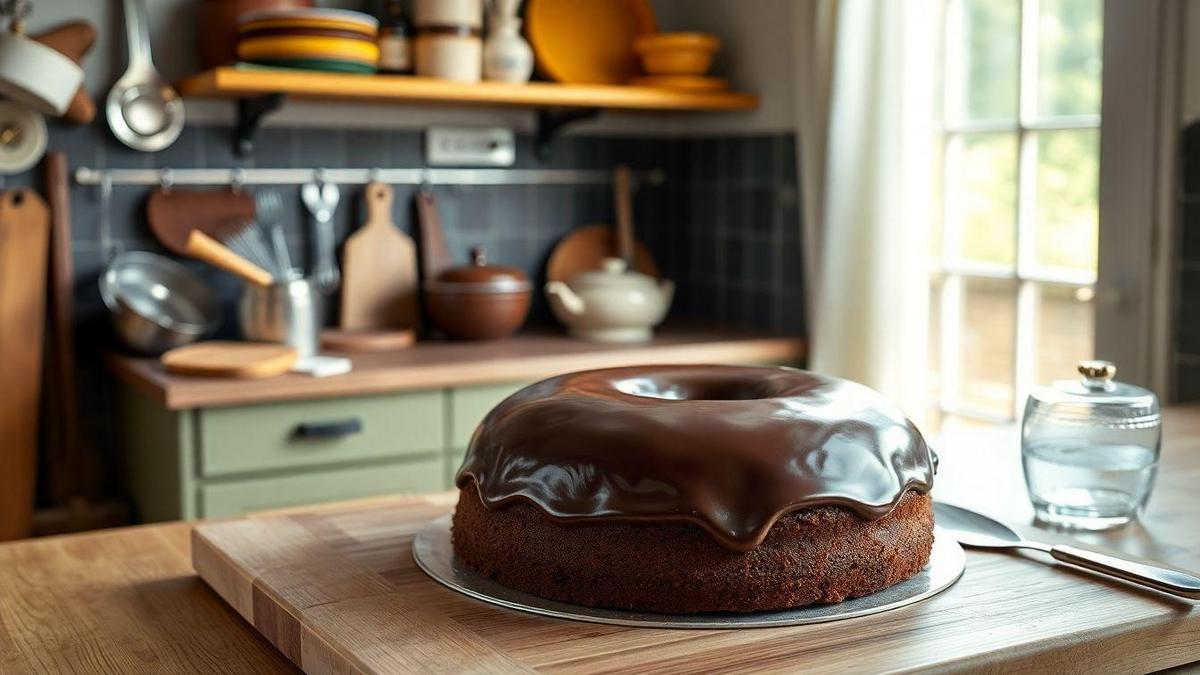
166 179
237 180
319 176
105 225
426 183
373 175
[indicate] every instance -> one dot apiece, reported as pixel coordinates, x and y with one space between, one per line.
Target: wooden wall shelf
260 90
242 82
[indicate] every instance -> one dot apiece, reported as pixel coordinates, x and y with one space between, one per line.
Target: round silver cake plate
434 554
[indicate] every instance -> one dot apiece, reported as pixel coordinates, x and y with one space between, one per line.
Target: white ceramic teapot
612 304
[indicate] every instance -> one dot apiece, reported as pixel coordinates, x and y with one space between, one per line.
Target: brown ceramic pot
479 301
217 30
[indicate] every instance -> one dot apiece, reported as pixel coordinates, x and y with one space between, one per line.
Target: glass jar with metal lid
1090 449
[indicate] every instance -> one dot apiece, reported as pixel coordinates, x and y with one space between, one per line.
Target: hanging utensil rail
167 177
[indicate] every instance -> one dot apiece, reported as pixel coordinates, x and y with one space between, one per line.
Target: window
1015 244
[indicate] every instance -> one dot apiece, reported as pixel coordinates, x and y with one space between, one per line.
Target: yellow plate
301 46
588 41
681 82
365 29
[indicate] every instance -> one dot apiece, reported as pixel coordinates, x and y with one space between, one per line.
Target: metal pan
156 303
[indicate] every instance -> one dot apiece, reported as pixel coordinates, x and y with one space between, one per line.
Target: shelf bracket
550 124
250 114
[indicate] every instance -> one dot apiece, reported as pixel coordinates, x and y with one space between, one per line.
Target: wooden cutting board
336 590
231 359
24 248
379 271
174 213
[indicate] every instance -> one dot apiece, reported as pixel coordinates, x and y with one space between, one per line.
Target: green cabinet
313 433
331 484
224 461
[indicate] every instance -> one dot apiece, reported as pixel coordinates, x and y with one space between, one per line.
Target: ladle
143 111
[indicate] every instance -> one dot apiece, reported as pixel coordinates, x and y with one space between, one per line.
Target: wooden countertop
432 364
127 600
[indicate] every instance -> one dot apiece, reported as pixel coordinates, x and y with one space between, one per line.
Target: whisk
268 209
246 238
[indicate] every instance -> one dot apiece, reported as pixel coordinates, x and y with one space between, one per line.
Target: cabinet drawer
261 494
469 405
310 433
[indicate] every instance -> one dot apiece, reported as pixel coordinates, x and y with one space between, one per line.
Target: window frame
951 273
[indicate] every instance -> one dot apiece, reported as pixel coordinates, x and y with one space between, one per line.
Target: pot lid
614 273
480 272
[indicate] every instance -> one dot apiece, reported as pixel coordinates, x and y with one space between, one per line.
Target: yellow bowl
677 53
293 47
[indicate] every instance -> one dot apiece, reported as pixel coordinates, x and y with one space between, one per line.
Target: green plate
328 65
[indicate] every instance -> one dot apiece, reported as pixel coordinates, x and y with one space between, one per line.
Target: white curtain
871 102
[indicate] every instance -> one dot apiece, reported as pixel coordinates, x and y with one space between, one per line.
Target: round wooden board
588 41
583 250
231 359
367 340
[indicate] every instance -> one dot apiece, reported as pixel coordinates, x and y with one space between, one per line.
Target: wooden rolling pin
204 247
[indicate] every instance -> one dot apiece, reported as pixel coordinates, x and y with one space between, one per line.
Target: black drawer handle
329 429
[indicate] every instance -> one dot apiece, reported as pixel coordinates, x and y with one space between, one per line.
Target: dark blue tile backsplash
724 223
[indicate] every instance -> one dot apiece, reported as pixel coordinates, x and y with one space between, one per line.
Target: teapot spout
566 298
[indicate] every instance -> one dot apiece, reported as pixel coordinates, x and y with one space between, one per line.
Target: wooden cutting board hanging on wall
174 213
24 246
379 271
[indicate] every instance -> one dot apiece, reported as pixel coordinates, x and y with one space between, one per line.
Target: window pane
981 193
982 60
1066 211
933 418
1064 331
979 326
1070 33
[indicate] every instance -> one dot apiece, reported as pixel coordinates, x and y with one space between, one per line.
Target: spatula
979 531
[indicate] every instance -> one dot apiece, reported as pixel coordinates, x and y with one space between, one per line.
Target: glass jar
1090 449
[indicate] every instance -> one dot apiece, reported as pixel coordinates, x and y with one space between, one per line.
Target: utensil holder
288 312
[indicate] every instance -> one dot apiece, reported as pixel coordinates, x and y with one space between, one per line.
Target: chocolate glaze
728 448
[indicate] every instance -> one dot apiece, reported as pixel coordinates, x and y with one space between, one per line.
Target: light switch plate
470 146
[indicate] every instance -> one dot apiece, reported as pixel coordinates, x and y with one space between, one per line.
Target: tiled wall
1187 300
725 224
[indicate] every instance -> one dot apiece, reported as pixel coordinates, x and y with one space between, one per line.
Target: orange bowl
677 53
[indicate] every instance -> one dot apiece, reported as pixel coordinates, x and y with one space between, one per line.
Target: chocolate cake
682 489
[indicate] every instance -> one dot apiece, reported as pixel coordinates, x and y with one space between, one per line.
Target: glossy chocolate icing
728 448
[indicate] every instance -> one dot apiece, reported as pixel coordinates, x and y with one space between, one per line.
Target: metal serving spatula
979 531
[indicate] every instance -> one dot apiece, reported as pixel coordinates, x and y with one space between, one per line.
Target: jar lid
614 273
479 276
1095 398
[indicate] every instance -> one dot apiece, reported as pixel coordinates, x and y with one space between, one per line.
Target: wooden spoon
204 247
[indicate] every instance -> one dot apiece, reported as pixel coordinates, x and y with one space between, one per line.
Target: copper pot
217 26
479 301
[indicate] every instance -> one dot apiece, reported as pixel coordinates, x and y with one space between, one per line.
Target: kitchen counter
127 600
433 364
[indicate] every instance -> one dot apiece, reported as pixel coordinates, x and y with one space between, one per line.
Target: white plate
434 554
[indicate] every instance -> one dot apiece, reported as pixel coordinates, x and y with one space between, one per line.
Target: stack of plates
312 39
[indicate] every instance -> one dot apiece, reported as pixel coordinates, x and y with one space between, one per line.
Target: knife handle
1162 579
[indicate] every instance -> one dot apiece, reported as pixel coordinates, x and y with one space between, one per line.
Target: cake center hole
693 388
